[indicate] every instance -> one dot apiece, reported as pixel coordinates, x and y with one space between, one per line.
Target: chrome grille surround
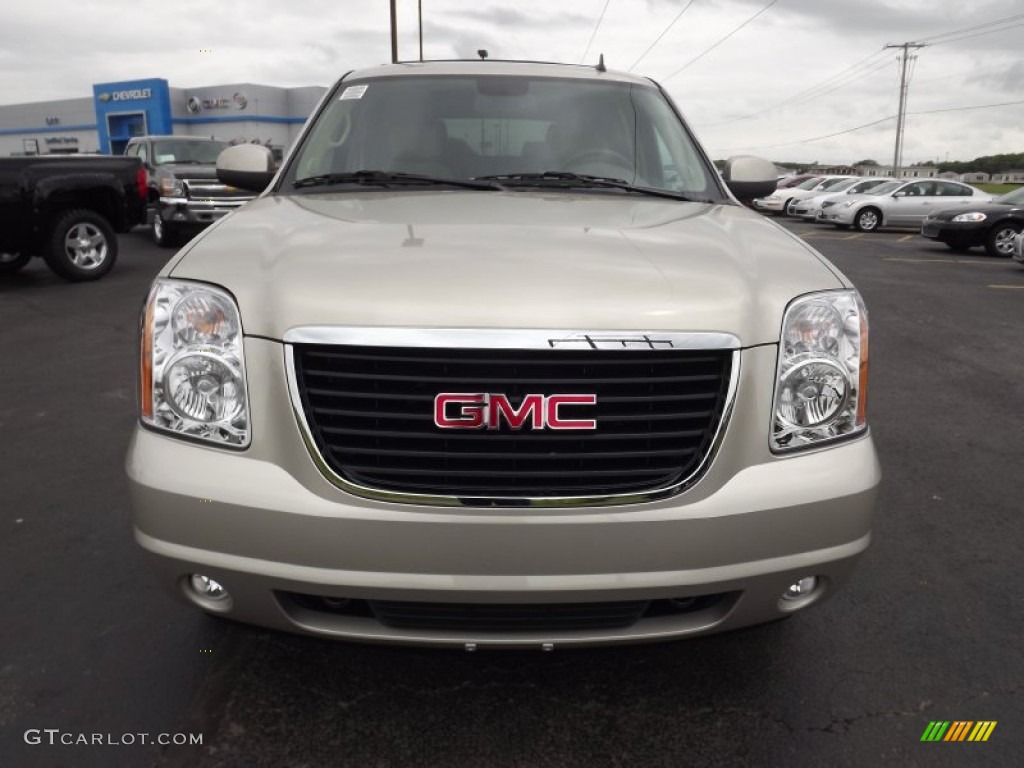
506 339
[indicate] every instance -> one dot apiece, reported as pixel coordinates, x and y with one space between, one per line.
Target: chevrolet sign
136 93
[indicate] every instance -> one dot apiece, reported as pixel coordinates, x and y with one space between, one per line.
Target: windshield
181 151
884 188
1012 198
811 183
844 184
831 184
464 127
864 186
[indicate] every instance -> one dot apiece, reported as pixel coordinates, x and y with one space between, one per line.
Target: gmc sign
467 410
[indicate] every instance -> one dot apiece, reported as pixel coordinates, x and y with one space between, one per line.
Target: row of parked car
959 215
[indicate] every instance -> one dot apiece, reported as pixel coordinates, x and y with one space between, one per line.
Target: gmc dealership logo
466 410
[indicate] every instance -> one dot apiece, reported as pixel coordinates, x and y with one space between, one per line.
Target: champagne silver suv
497 360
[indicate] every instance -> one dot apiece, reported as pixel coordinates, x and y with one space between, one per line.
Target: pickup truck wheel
82 246
164 235
12 262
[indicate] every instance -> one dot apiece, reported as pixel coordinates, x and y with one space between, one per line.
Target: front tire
82 246
12 262
868 220
999 241
164 234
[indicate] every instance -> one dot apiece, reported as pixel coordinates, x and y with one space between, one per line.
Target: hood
987 207
505 260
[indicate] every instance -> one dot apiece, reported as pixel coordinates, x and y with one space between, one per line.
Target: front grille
370 414
505 617
495 617
213 190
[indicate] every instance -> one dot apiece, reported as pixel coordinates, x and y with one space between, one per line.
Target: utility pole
419 10
901 115
394 35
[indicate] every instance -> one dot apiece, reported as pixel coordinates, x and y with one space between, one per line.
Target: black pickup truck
67 210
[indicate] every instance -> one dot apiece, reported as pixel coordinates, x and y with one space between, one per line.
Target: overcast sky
774 72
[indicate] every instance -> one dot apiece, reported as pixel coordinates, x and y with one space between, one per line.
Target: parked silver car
810 207
497 359
782 200
904 205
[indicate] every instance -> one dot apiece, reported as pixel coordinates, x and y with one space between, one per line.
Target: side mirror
246 166
748 176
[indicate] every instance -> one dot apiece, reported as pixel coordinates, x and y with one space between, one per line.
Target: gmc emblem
467 410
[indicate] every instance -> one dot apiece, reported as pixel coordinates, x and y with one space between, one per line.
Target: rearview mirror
748 176
246 166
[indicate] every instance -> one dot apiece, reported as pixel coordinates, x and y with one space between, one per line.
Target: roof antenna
482 53
600 64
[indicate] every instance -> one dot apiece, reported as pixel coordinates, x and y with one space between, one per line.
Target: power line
963 109
816 138
868 125
977 34
985 70
706 51
663 32
811 93
594 33
971 29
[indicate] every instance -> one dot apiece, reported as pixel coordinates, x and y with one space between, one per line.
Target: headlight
972 216
192 373
821 384
171 187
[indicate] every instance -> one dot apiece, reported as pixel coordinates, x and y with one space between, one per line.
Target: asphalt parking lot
930 628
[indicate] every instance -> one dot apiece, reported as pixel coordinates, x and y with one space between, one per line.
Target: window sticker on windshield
165 158
354 92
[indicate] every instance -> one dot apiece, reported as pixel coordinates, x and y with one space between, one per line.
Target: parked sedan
993 225
781 200
904 206
811 207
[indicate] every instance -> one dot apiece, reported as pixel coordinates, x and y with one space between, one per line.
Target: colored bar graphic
958 730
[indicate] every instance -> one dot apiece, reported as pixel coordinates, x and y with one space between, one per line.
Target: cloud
59 49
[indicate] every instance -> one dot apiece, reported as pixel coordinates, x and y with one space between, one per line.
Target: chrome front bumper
265 522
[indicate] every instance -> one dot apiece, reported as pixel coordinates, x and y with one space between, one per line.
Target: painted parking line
1009 287
918 261
907 237
990 262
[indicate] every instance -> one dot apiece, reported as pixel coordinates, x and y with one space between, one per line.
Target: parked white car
811 207
904 205
780 200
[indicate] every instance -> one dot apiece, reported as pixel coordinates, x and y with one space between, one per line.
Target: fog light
206 587
801 588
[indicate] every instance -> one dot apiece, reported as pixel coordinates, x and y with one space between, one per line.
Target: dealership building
117 111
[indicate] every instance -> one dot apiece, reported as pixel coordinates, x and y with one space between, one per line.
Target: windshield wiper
568 180
388 178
